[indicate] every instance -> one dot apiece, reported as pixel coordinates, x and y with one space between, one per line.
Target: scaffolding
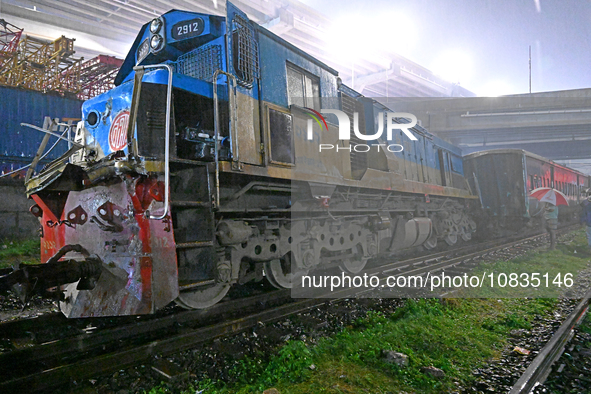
97 76
10 36
49 66
40 64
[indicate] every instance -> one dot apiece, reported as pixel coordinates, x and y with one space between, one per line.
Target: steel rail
13 327
421 266
121 359
53 376
47 354
540 367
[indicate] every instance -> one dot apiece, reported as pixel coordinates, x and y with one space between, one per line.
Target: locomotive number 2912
187 29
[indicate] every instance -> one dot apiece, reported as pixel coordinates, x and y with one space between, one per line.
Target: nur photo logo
392 120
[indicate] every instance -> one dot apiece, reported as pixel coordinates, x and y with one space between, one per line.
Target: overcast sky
482 44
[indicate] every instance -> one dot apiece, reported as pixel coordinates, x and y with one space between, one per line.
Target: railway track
541 366
14 328
52 364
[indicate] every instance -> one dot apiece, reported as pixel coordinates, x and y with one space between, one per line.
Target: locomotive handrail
216 127
166 138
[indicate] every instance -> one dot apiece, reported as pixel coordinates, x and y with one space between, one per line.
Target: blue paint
214 27
423 151
119 99
180 81
19 144
108 106
275 53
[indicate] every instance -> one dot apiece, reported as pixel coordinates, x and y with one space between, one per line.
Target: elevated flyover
556 125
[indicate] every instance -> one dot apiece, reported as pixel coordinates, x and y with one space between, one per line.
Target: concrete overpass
556 125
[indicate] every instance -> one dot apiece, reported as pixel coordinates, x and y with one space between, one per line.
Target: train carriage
503 179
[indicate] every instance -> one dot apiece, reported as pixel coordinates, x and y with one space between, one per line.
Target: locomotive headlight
156 42
92 118
155 26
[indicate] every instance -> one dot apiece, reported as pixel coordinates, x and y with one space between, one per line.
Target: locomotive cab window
303 89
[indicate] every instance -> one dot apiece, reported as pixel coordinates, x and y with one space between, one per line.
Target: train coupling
45 279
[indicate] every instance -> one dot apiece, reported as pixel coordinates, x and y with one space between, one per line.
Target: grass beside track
456 335
556 269
23 251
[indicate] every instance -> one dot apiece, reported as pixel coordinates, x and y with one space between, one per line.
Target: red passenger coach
503 179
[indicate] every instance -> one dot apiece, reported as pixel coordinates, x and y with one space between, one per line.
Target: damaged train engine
201 170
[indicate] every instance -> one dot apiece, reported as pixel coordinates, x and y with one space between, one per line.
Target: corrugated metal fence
18 144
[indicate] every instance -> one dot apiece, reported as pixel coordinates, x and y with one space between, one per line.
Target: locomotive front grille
201 63
151 120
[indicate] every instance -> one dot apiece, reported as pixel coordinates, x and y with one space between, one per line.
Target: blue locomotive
227 155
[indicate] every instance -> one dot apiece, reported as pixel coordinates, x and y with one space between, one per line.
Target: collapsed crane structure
97 76
10 36
49 66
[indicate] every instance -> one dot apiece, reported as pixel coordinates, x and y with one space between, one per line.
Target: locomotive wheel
431 243
355 263
451 239
201 299
278 273
466 236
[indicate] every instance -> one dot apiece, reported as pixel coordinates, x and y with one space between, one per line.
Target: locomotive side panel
291 81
